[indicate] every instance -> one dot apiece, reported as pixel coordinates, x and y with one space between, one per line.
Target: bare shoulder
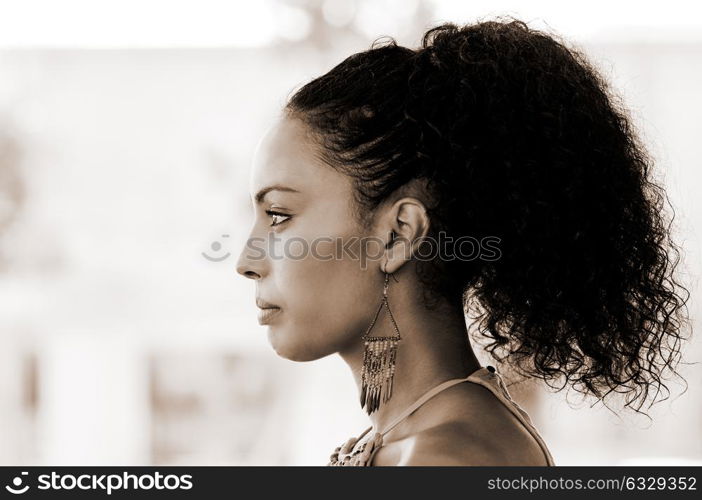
473 428
460 444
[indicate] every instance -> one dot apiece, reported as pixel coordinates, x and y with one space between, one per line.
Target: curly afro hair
518 136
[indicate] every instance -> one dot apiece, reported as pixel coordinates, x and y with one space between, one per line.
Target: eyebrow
276 187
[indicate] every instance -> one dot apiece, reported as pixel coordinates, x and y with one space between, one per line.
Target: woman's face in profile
303 220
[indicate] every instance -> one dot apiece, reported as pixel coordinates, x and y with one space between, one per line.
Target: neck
434 347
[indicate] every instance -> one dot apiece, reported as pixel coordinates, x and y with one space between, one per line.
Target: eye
272 213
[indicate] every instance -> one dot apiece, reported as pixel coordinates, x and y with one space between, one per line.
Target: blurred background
127 130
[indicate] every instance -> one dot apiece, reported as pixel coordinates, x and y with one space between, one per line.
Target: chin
289 346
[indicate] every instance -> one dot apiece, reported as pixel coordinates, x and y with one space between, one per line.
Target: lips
267 310
265 304
265 315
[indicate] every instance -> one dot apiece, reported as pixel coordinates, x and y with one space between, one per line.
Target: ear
407 224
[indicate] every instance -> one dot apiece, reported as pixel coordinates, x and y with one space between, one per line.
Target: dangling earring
378 361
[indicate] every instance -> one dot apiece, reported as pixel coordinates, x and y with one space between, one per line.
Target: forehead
287 156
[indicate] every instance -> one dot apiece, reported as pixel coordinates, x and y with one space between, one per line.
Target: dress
360 452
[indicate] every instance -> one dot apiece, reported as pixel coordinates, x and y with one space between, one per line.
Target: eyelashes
273 213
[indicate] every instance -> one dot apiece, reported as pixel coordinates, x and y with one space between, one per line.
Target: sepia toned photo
349 233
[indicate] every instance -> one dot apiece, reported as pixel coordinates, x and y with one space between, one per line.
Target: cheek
328 298
332 286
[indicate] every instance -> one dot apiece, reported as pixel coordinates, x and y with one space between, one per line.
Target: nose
248 267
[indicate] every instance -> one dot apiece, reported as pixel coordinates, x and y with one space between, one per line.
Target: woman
501 136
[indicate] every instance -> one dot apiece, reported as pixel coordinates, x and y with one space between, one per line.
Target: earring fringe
379 356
